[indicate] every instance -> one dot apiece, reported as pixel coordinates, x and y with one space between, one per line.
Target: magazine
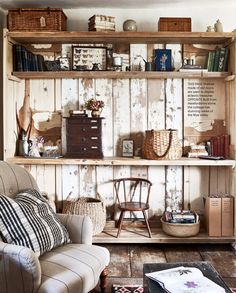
185 280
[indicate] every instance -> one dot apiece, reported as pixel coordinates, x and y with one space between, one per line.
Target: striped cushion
28 220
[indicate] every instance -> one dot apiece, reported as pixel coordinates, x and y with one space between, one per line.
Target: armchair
74 267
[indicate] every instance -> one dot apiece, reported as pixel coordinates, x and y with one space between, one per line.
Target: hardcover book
185 279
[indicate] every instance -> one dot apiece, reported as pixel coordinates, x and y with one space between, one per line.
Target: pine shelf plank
120 161
140 235
73 37
117 75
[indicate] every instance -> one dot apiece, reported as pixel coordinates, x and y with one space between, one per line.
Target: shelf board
140 235
118 75
72 37
121 161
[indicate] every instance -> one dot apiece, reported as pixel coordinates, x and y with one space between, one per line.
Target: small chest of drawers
84 137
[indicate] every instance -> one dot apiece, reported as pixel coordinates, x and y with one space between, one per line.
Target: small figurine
210 28
218 26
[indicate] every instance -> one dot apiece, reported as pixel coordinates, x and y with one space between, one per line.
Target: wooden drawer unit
84 137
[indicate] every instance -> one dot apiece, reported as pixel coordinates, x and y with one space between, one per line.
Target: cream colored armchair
70 268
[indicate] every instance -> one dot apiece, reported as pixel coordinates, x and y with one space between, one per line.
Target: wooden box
37 19
84 137
174 24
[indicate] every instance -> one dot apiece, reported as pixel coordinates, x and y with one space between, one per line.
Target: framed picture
163 60
127 148
64 63
89 58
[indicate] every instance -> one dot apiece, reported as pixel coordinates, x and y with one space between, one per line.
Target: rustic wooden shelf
118 75
121 37
140 235
121 161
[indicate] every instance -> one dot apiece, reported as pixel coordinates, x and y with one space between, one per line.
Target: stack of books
24 60
197 150
78 113
101 23
181 216
217 60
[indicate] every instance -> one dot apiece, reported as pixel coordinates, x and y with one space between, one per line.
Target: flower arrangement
93 104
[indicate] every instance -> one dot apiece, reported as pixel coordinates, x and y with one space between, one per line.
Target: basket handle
169 144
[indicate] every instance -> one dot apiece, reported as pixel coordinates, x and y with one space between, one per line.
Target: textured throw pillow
28 220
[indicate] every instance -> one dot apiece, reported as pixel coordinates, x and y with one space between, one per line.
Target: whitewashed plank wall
131 107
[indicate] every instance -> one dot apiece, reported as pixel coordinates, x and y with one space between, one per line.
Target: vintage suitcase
174 24
36 19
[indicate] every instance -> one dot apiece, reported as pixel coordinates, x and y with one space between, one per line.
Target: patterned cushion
28 220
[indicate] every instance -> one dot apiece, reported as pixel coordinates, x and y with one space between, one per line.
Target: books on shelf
197 150
101 23
219 145
24 60
192 68
217 60
180 216
185 279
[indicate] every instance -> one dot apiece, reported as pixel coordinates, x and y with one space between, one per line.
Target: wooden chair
132 195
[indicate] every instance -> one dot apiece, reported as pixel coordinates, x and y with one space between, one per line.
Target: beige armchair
74 267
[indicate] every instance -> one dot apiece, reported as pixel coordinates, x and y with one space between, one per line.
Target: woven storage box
174 24
38 19
92 207
162 145
180 230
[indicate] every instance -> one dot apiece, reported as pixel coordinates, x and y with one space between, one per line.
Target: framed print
89 58
163 60
127 148
64 63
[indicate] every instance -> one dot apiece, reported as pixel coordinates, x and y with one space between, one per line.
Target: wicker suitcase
38 19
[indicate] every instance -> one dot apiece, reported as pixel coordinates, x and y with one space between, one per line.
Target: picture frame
64 63
163 60
89 58
127 148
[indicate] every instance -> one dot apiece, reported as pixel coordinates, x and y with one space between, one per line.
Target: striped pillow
28 220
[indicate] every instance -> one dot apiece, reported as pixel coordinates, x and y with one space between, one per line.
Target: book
185 279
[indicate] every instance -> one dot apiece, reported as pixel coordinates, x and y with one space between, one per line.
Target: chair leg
120 221
147 224
103 280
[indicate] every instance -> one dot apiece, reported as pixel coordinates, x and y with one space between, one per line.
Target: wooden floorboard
126 265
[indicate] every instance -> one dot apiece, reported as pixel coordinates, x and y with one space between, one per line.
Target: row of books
217 60
180 216
24 60
219 146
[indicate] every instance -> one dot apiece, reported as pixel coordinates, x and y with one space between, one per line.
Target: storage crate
175 24
38 19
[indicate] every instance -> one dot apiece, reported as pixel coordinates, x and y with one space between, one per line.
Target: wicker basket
38 19
180 230
92 207
162 145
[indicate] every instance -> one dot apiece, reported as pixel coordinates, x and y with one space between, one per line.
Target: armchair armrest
80 228
20 270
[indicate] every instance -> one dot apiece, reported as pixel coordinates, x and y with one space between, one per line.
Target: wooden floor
126 265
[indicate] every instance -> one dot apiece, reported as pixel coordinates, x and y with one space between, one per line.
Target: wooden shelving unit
87 175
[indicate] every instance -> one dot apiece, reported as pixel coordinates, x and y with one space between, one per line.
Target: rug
127 289
136 289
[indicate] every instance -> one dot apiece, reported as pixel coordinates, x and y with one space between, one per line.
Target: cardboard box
175 24
213 215
219 216
227 207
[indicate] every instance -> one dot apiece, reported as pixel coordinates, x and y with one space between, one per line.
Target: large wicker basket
162 145
92 207
36 19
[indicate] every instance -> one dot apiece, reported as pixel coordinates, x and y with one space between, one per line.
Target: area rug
136 289
127 289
